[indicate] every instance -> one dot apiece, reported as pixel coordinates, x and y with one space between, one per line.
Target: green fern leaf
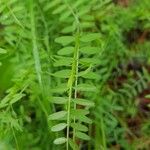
60 140
86 87
64 40
83 118
66 50
62 73
82 136
84 102
59 127
59 100
90 50
90 37
57 116
2 51
80 127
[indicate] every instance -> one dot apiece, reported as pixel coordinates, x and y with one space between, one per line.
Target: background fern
74 74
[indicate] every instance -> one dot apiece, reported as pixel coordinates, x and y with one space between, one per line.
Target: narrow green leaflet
51 4
86 87
85 25
64 40
59 127
77 112
90 75
68 29
83 118
90 50
89 61
66 50
61 88
90 37
63 62
57 115
83 12
80 127
82 136
81 73
59 100
2 51
60 140
16 98
62 73
59 9
84 102
65 15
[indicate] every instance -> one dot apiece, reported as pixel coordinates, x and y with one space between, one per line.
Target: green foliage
74 74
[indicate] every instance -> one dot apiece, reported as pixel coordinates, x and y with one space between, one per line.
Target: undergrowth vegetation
75 75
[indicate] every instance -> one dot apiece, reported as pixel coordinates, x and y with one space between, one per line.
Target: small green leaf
64 40
80 127
60 140
84 102
65 15
57 115
86 87
59 127
90 50
89 61
16 98
2 51
85 25
76 112
51 4
83 118
82 136
90 75
59 100
63 62
61 88
90 37
66 50
62 73
59 9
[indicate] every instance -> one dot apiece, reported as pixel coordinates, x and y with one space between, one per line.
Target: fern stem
76 74
73 76
76 57
68 117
